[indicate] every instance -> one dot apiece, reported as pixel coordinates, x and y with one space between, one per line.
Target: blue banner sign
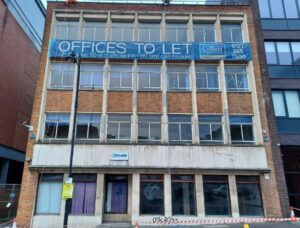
151 50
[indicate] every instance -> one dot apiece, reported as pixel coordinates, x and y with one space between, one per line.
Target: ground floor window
248 190
49 194
183 195
84 194
152 194
216 195
116 194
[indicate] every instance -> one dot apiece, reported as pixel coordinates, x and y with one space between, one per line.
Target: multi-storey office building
281 31
171 117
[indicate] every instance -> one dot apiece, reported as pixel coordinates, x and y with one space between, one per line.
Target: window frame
62 73
241 130
203 26
199 89
120 88
150 123
285 17
180 141
65 24
231 31
93 72
85 25
178 74
286 109
56 126
210 128
235 74
88 126
177 27
124 26
118 139
149 78
141 25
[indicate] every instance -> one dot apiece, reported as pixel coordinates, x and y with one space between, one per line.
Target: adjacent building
281 32
172 116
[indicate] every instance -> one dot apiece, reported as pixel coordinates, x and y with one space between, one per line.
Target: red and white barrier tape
175 221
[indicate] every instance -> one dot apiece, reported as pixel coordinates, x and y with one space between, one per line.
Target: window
57 126
62 75
279 9
94 30
149 32
283 53
180 129
66 30
152 194
216 195
88 126
149 128
207 78
84 195
231 33
119 127
120 77
91 76
149 77
210 129
122 31
204 33
178 77
116 194
176 32
49 194
183 195
249 197
241 129
236 78
286 103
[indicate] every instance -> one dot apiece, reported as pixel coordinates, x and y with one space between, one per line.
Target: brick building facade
183 138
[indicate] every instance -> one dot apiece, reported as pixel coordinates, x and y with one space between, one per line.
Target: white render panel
152 156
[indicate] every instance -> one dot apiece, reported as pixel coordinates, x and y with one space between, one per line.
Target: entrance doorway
117 206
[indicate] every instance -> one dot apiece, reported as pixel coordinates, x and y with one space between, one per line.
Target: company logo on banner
151 50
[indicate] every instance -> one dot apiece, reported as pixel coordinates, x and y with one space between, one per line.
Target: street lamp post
77 60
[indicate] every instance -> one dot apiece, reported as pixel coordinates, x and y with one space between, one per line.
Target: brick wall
179 102
209 103
119 101
90 101
59 101
240 103
149 102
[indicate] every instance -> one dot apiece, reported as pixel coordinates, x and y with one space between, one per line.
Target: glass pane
62 130
55 79
204 131
114 80
264 9
270 53
125 130
155 80
126 80
248 133
85 79
183 198
237 35
50 130
216 198
174 132
89 33
155 131
143 81
242 83
284 53
182 35
115 34
201 81
277 9
144 34
73 31
127 34
236 133
240 119
179 118
170 34
296 52
208 119
112 131
116 197
293 103
290 8
68 78
172 81
230 82
213 81
143 132
94 131
249 198
199 34
184 82
81 130
226 36
155 34
97 80
100 33
216 131
152 198
278 103
186 132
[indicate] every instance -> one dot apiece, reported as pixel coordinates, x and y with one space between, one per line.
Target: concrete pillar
195 127
200 196
233 197
134 117
164 120
168 195
245 31
190 29
4 170
100 196
135 197
257 129
104 102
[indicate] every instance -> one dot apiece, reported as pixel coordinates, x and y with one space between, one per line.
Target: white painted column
99 197
200 196
135 197
257 129
134 117
233 197
164 120
195 127
104 102
168 195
